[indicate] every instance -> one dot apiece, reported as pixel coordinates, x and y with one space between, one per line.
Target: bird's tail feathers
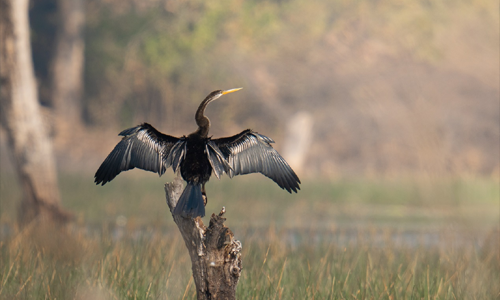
190 204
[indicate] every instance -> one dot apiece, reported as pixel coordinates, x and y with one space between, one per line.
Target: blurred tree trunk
67 67
20 115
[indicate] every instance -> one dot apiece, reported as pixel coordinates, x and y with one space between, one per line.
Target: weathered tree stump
215 254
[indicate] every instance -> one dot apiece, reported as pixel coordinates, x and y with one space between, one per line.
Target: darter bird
197 156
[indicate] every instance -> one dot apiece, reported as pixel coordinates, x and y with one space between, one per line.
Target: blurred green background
383 92
399 113
390 88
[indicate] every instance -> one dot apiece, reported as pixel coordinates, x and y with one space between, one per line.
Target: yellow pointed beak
230 91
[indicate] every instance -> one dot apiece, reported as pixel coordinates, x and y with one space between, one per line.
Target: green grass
345 239
36 264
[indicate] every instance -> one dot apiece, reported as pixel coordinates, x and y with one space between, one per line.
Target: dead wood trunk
20 115
215 254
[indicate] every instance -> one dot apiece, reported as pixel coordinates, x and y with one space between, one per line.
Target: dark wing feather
217 160
141 147
250 152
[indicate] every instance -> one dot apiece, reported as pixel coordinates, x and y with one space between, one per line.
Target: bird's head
202 121
217 94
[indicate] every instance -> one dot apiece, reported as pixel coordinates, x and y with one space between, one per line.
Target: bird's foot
205 198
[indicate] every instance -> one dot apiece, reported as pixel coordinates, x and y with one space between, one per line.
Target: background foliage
392 87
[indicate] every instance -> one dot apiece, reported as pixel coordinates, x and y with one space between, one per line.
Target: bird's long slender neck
202 120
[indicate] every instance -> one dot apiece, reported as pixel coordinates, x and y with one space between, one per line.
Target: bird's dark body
197 156
196 168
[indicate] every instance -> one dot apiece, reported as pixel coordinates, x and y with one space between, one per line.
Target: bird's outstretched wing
141 147
250 152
